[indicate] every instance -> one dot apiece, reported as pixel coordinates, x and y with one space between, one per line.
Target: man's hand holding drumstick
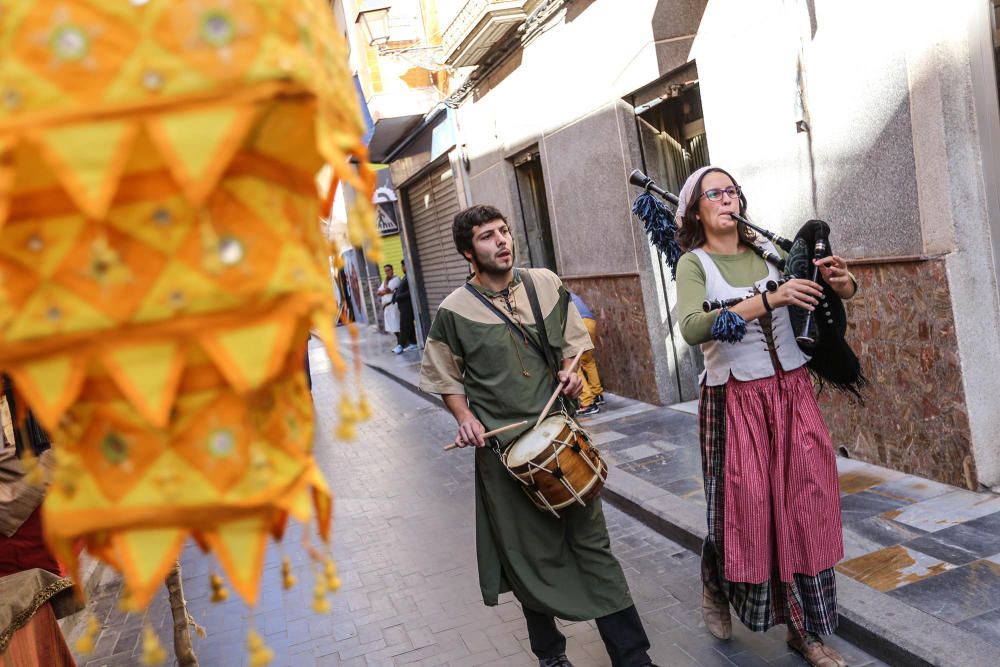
472 432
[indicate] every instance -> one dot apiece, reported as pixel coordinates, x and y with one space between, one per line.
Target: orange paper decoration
162 265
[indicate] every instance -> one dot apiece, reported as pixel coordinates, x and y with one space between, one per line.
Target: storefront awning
388 132
669 85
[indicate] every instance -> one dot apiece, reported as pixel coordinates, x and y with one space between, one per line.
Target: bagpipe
820 333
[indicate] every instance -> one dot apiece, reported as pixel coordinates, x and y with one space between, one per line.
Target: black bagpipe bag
832 360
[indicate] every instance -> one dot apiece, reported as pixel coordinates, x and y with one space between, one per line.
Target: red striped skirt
782 503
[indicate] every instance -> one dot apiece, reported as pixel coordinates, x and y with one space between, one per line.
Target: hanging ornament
260 654
364 409
163 266
330 571
85 644
219 591
287 578
153 652
321 605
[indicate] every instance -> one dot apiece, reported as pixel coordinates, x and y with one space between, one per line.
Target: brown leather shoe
716 615
812 648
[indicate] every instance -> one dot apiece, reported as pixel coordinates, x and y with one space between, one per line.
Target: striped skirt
774 531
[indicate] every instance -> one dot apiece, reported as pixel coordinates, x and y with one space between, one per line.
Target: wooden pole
183 649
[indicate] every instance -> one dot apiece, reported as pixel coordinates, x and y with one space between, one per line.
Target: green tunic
563 567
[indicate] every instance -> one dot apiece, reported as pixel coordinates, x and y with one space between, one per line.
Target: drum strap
536 310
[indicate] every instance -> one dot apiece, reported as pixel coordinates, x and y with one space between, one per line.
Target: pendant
525 373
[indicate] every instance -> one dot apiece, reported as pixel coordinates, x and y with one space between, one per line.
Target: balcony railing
479 26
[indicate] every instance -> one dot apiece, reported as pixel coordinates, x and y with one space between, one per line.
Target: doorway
534 209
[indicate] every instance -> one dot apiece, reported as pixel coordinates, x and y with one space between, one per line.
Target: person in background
592 396
407 336
33 591
390 310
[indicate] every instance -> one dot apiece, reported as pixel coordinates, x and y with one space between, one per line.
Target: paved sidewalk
920 582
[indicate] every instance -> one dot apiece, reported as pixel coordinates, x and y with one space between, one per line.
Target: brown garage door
432 202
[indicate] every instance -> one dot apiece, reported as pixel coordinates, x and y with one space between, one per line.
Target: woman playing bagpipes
774 529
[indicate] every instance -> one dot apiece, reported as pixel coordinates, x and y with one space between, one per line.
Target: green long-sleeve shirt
743 268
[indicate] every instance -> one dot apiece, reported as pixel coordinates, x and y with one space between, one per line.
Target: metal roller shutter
432 201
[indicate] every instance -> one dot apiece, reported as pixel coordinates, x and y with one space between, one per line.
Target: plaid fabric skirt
804 603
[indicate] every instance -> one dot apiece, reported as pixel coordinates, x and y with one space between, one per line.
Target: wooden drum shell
541 484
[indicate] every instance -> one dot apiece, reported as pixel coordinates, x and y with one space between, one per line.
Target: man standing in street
390 311
489 376
407 336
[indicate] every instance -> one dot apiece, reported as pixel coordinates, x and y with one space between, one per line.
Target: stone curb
890 630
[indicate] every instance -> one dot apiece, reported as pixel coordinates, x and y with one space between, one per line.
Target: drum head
529 445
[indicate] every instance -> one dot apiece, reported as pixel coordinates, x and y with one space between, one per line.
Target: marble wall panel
914 419
623 351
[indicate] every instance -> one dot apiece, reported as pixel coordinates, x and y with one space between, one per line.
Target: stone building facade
820 109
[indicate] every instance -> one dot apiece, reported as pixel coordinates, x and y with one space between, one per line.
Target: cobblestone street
403 541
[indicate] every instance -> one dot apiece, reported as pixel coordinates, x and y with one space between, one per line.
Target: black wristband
767 306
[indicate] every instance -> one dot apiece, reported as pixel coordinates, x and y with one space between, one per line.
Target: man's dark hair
387 266
471 217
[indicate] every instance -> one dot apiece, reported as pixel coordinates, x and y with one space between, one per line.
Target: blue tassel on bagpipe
729 327
660 226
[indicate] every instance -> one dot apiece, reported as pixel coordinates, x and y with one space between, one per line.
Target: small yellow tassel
287 578
332 580
152 650
320 604
347 410
85 644
36 473
364 409
126 602
260 654
346 431
66 474
357 223
219 592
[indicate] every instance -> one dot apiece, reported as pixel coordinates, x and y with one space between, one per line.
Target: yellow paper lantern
162 265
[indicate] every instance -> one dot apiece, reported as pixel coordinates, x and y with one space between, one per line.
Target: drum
557 464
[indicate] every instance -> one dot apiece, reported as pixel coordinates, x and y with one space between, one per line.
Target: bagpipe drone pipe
820 333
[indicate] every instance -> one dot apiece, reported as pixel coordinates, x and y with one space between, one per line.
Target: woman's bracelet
767 306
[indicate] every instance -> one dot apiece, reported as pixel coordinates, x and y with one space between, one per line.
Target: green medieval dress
562 567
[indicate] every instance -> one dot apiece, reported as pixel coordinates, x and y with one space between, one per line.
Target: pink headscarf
687 194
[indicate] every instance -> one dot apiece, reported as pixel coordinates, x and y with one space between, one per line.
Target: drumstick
555 394
489 433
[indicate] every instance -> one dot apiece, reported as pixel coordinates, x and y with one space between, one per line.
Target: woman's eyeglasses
715 194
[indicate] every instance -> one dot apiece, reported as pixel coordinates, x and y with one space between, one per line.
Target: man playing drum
489 376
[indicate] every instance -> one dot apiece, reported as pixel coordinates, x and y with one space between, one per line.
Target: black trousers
407 333
622 632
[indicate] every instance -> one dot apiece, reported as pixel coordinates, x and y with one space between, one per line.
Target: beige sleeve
18 497
440 370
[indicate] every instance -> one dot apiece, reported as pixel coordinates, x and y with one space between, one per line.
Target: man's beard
490 265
